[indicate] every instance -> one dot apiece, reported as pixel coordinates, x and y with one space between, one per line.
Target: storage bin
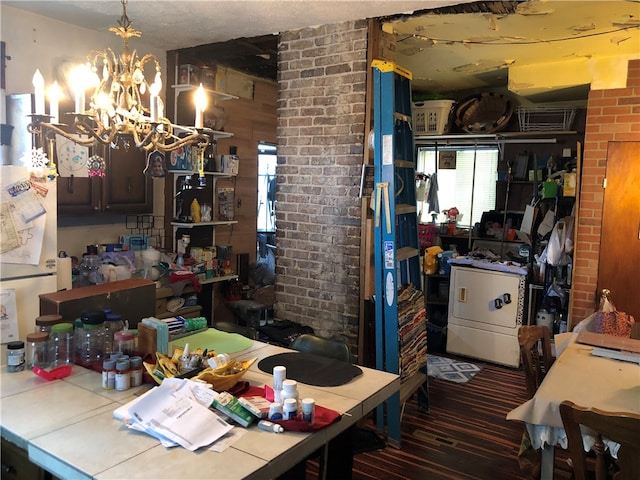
431 117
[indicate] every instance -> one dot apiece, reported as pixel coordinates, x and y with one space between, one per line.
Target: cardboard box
134 299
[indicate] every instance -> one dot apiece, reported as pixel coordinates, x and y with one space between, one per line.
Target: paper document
176 413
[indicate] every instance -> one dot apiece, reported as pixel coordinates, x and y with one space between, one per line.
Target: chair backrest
322 346
535 340
620 427
231 327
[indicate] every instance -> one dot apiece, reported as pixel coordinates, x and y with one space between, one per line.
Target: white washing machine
486 309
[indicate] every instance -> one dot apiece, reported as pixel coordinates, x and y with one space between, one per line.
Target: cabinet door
126 189
620 239
78 196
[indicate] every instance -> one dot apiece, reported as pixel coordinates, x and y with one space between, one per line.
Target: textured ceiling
541 49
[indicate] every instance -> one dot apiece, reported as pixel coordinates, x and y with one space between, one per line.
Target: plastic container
113 323
109 374
44 323
136 371
91 349
123 375
290 409
62 346
124 341
38 350
15 356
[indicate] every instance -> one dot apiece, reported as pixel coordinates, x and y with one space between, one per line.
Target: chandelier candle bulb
38 85
201 105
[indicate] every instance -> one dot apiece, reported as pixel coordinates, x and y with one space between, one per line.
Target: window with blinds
466 179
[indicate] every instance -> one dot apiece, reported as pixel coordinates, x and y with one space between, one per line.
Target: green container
549 189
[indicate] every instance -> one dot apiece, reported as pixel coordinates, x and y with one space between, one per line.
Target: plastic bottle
290 409
123 375
279 375
109 374
308 410
92 340
62 347
124 341
289 390
195 210
136 371
112 324
270 426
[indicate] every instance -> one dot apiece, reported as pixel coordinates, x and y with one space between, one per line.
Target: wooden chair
620 427
231 327
535 340
324 347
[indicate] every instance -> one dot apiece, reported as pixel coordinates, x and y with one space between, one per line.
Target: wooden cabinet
16 464
123 190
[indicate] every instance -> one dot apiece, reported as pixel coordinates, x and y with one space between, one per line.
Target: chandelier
123 102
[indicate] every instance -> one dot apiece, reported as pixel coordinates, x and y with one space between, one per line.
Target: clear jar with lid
92 339
78 333
62 346
38 350
15 356
44 323
124 341
113 323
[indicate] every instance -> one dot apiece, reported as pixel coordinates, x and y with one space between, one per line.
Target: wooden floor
464 436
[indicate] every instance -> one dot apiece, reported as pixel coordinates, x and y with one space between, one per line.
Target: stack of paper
176 413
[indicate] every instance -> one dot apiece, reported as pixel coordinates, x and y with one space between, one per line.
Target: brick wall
612 115
321 116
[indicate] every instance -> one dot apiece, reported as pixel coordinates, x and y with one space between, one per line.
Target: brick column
321 116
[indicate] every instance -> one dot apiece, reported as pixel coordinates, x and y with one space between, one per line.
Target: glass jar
38 350
15 356
45 322
62 347
92 339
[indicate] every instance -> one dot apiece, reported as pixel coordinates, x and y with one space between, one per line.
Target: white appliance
28 242
485 311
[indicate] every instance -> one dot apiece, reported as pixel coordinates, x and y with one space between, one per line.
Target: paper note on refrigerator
8 316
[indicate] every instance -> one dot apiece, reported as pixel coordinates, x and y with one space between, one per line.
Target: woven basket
484 113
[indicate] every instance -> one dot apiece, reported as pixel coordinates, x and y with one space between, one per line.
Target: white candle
54 97
38 85
201 105
154 101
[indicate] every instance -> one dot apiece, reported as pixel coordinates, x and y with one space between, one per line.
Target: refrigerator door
37 239
27 291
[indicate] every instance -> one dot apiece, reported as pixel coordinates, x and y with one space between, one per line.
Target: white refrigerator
28 249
